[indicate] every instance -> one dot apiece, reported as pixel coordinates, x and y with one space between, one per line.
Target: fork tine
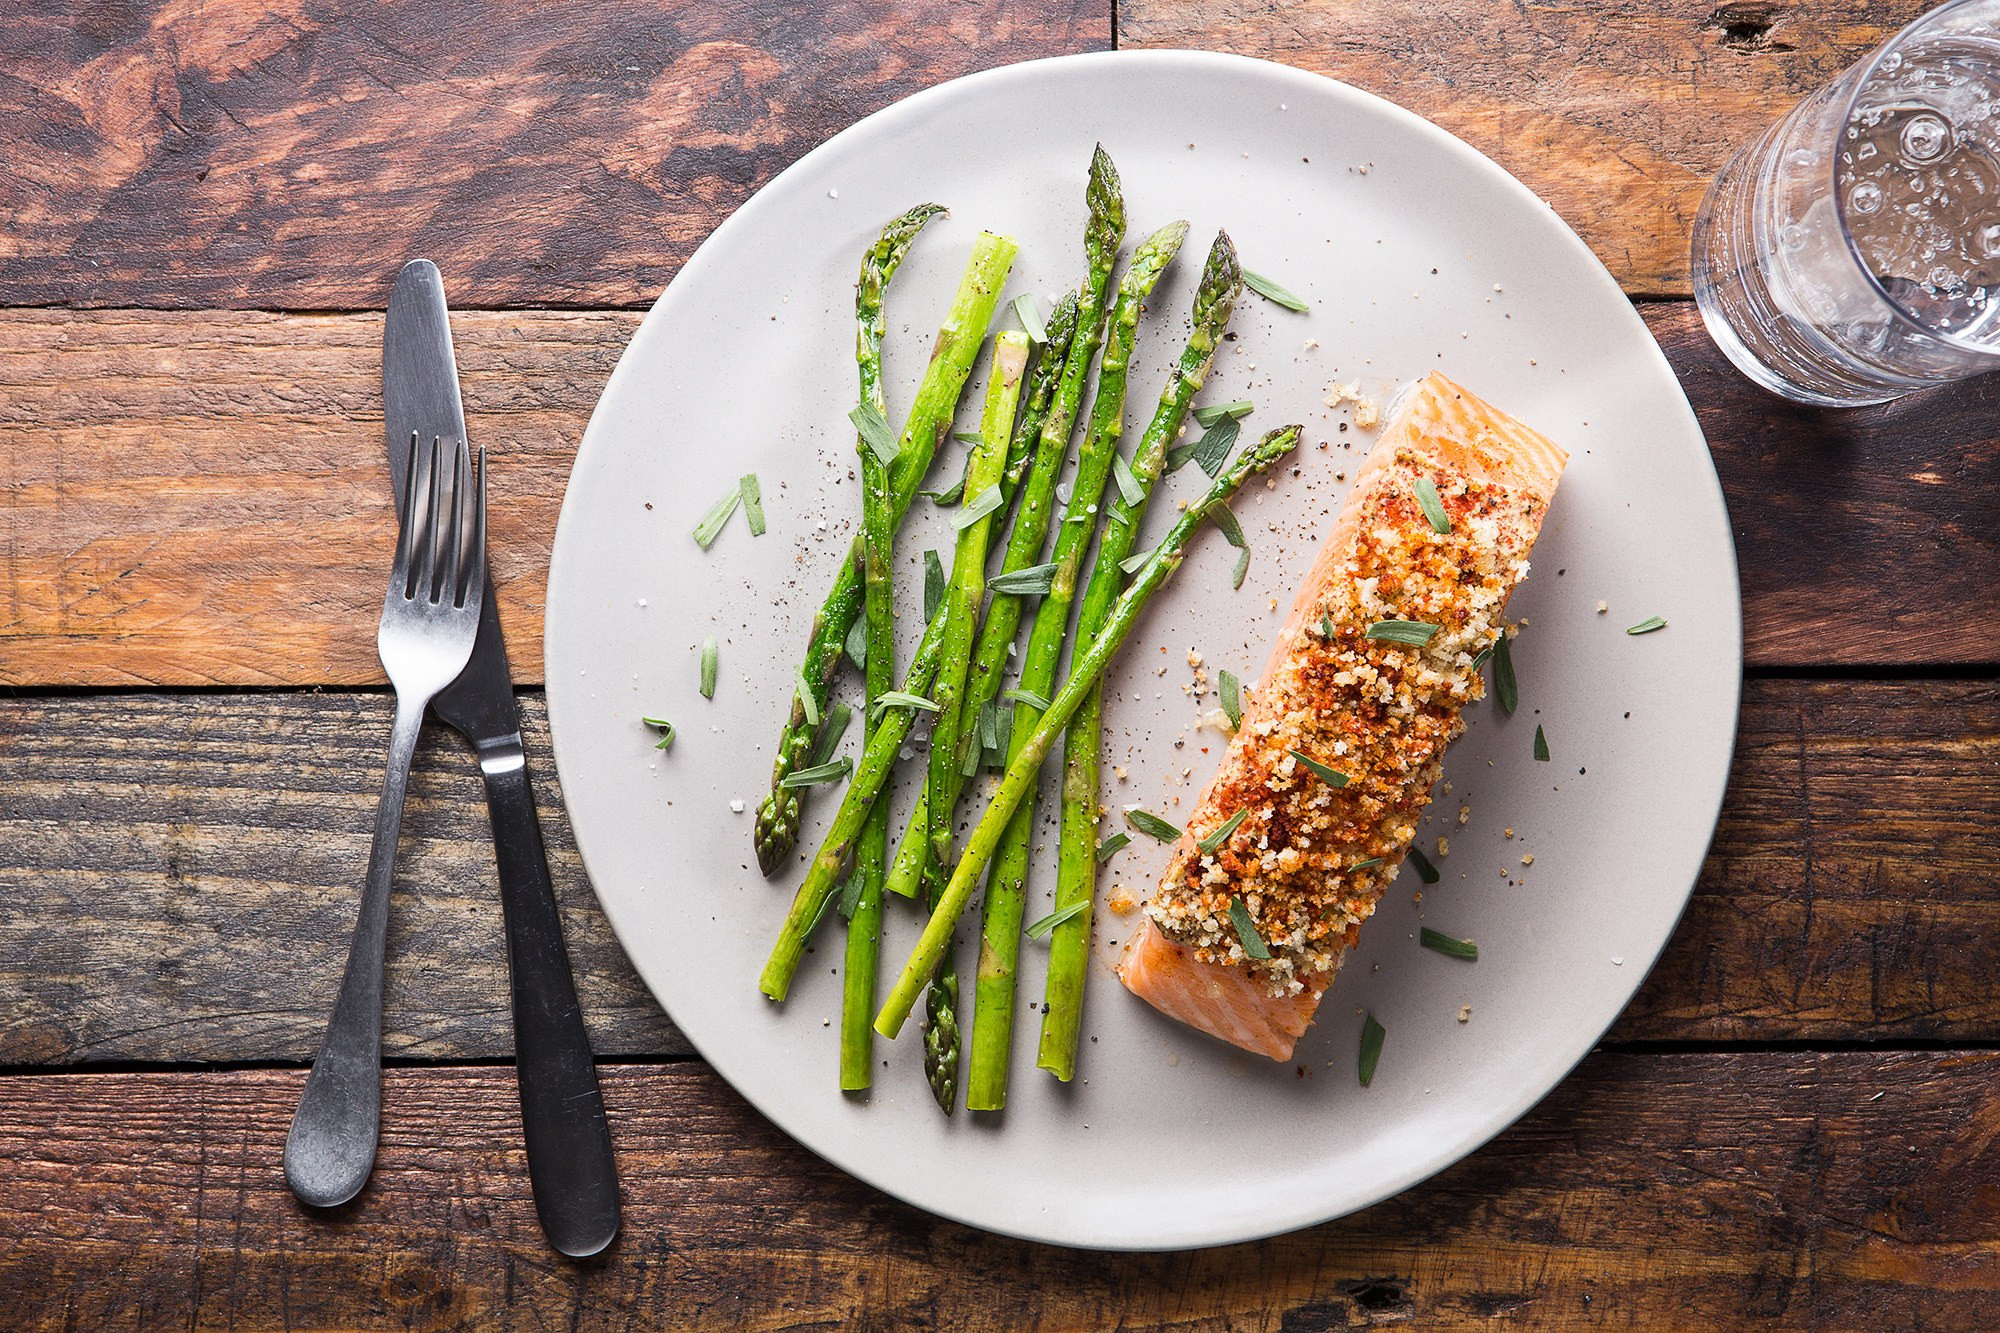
440 536
475 555
414 540
452 552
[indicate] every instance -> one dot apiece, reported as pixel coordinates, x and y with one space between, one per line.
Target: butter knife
570 1163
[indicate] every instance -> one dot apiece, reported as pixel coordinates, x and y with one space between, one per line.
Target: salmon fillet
1344 737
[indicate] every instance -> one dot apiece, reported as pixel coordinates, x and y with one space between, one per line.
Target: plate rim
1310 83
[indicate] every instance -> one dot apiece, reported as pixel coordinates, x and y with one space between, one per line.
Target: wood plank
271 155
177 880
1618 112
1795 1190
200 499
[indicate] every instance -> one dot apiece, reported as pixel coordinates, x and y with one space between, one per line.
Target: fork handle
570 1163
331 1147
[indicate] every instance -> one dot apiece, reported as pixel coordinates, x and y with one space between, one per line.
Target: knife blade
570 1163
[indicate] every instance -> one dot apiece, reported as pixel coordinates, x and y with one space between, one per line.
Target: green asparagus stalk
992 1020
878 759
1103 233
906 871
958 342
1076 876
878 527
961 617
1085 671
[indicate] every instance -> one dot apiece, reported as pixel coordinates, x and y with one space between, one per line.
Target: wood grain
1618 112
200 499
270 155
177 881
1794 1190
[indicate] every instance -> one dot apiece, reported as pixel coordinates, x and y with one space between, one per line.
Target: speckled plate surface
1417 253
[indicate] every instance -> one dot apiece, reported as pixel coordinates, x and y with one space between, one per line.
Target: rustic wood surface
202 851
182 159
1792 1127
1800 1190
214 509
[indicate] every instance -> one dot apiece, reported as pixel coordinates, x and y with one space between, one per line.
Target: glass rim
1861 73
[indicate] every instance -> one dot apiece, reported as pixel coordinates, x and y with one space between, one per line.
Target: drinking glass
1852 255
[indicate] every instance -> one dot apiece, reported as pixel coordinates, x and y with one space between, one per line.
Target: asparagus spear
878 526
878 758
1024 769
992 1020
906 871
1103 233
958 343
1076 876
961 617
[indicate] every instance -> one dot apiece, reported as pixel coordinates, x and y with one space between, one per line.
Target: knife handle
570 1164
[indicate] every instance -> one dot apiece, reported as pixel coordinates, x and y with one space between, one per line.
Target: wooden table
1795 1125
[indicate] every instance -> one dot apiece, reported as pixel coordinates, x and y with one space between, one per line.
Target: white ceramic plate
1417 253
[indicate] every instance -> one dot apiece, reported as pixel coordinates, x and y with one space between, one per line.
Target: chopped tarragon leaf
828 740
1232 698
1648 625
1363 865
1447 944
1003 736
1214 841
1327 775
989 725
1246 931
1034 581
706 531
933 584
1028 697
1128 485
875 433
1272 292
818 774
967 436
753 503
1178 456
978 507
898 699
1224 518
711 658
969 748
1326 626
1433 507
806 700
664 727
1214 412
1504 685
1212 449
1030 314
953 493
856 645
850 896
1415 633
1541 745
1109 847
1048 923
1484 654
1151 825
1426 872
1372 1033
1132 564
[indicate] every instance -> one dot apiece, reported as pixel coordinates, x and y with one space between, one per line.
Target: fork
429 618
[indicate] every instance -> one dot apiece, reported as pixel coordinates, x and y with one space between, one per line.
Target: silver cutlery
430 617
570 1163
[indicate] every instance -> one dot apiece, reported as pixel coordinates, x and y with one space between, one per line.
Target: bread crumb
1120 901
1444 846
1118 772
1465 1013
1602 607
1528 859
1508 832
1464 815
